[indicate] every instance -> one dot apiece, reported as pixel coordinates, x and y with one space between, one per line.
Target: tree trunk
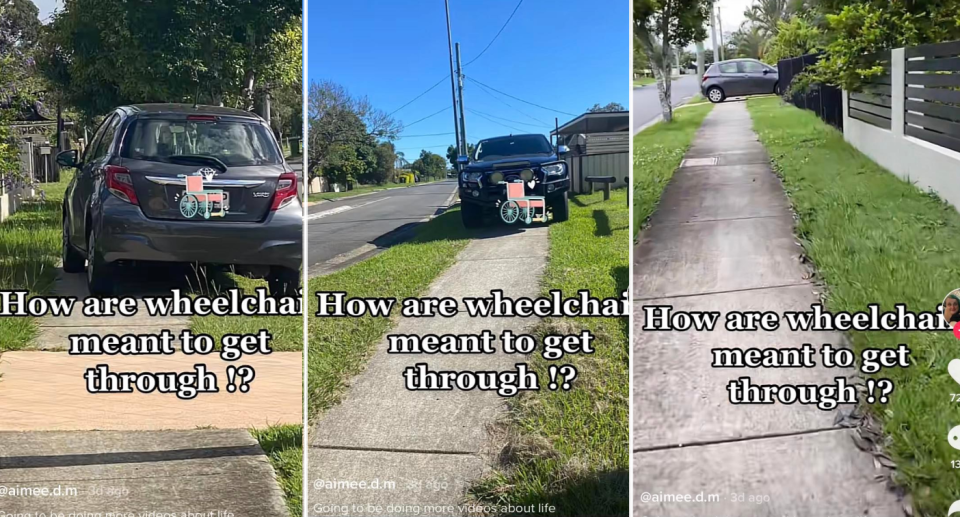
660 64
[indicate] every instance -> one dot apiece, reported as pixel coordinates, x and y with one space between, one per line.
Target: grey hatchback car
738 77
129 199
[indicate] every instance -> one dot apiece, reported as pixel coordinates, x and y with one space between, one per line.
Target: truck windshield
523 145
235 143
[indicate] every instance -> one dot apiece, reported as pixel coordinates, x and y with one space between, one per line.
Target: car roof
187 109
739 59
511 136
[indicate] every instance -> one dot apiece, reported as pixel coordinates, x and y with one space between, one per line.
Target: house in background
599 145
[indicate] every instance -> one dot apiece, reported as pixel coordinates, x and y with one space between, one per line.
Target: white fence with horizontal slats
919 140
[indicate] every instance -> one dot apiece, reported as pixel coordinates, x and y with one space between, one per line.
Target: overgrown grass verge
29 254
571 449
286 331
877 239
283 445
657 152
339 347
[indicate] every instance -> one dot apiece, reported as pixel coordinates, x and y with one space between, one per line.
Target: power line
511 106
431 134
428 116
425 147
521 100
497 36
411 101
498 123
478 112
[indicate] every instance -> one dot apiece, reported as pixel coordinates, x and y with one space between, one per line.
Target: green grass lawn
339 347
29 254
571 449
643 81
283 445
877 239
657 152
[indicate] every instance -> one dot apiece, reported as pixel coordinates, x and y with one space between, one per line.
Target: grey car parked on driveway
126 201
738 77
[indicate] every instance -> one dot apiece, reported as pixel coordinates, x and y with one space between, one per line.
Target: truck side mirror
562 149
463 160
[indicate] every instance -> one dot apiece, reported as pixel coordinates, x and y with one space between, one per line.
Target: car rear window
728 68
235 143
512 146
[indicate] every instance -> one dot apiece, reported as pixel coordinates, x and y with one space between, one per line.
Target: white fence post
898 67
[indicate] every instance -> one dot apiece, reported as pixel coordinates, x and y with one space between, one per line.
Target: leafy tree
19 25
19 86
611 107
661 25
794 38
101 53
452 152
429 165
336 118
286 111
385 168
855 30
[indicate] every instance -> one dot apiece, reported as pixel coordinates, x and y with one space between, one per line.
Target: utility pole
713 34
720 25
700 61
463 126
453 83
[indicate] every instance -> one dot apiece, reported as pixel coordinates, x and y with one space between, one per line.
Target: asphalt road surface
344 231
646 100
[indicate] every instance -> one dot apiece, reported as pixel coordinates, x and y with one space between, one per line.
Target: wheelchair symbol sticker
206 202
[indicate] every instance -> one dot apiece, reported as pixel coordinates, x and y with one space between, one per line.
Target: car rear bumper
126 234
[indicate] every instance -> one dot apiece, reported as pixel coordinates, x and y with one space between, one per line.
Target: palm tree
750 42
765 14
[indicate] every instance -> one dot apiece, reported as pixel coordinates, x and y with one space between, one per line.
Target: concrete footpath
63 449
422 449
722 239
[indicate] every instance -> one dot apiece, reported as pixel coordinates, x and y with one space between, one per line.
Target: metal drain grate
699 162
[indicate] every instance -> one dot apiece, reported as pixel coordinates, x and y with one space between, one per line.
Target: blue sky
565 55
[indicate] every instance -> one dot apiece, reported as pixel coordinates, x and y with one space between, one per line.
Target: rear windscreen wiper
202 159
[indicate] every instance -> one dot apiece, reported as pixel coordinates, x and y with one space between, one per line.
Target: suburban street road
646 100
343 231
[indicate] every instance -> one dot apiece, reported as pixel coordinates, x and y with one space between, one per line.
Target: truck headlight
554 169
471 177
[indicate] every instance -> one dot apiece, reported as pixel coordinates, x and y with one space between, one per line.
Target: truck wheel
283 281
561 208
471 215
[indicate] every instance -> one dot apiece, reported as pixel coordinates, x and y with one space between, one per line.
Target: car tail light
120 183
286 191
705 77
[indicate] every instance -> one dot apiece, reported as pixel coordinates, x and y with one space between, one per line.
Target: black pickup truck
530 158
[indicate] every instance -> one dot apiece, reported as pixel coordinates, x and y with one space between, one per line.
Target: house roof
598 122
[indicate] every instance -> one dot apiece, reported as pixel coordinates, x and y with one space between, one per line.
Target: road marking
341 209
